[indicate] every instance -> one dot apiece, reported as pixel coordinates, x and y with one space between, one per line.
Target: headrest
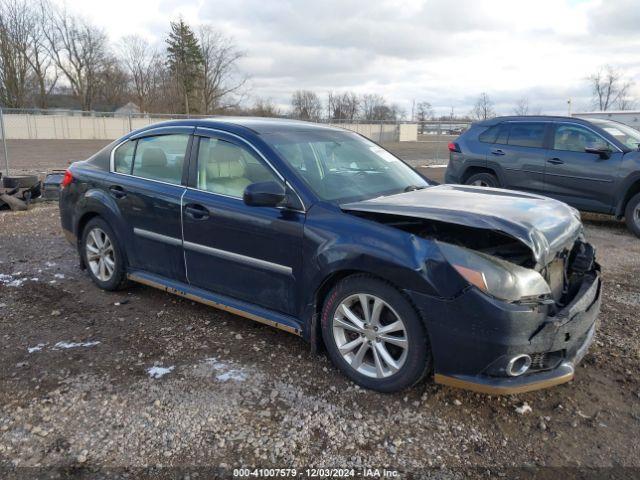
224 161
154 157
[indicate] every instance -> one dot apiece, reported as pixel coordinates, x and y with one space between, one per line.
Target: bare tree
142 63
221 81
306 105
79 50
343 106
522 106
264 107
45 73
112 84
370 106
424 112
483 108
610 89
14 49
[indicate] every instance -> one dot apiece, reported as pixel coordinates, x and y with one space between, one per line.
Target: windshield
343 166
626 135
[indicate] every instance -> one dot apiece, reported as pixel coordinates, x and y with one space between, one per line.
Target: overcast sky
442 51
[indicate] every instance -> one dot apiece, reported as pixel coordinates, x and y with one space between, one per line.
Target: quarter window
574 138
496 134
123 157
228 169
161 158
527 134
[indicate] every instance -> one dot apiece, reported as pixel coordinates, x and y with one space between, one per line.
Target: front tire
102 255
483 179
374 335
632 215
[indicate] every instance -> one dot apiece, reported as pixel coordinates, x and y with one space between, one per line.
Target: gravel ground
140 379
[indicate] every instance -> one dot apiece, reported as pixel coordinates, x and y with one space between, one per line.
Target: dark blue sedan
323 233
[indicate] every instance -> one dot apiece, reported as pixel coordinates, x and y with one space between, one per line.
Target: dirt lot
76 391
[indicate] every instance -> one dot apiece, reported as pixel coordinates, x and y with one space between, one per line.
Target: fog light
518 365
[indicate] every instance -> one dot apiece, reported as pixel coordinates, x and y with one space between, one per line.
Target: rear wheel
632 215
483 179
102 255
374 335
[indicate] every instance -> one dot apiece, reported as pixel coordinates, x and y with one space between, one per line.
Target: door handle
197 212
555 161
117 191
497 151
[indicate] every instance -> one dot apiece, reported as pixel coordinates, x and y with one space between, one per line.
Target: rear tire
102 255
632 215
385 349
483 179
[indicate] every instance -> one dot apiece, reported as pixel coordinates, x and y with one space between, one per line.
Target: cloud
442 51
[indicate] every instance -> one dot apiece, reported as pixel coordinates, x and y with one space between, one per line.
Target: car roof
258 125
533 118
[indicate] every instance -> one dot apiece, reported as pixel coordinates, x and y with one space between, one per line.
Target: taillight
453 147
67 179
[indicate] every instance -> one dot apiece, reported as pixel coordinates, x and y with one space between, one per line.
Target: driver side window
573 138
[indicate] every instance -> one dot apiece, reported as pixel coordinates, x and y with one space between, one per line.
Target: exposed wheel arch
473 170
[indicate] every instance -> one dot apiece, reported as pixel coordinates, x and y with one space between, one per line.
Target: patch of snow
51 264
226 372
59 275
524 408
236 375
65 345
159 372
17 282
37 348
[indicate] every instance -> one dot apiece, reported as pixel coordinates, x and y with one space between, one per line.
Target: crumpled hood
545 225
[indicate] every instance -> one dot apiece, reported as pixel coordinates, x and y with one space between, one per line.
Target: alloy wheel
480 183
100 254
370 336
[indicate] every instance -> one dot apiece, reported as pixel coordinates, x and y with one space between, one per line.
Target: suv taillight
453 147
67 179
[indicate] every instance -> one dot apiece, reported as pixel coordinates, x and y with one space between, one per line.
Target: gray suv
592 165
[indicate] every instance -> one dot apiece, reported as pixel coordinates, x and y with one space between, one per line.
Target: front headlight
497 277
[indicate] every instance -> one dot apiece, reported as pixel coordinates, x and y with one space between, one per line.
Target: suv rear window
527 134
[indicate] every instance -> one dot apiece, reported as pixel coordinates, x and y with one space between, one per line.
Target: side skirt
237 307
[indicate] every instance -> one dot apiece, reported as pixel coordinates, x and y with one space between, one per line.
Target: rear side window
527 134
123 157
161 158
496 134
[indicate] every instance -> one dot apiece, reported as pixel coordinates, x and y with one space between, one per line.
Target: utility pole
413 109
4 141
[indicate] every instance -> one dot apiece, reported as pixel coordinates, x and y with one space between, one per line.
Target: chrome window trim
149 235
236 257
242 201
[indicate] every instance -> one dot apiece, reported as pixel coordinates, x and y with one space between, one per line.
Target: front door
249 253
584 180
147 187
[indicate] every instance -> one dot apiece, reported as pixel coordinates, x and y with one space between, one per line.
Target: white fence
70 125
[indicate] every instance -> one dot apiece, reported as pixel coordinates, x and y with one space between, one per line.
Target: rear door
249 253
147 186
584 180
519 152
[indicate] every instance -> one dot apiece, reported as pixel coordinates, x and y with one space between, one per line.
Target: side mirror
599 149
264 194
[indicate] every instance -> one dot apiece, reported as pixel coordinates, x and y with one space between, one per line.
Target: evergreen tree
184 59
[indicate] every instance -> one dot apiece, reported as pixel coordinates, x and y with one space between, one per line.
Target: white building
631 118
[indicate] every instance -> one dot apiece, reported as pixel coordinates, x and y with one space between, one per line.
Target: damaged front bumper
473 337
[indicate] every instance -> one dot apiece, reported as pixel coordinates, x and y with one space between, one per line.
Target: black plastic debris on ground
17 191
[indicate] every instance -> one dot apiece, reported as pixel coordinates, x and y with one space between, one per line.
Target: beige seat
225 171
153 163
